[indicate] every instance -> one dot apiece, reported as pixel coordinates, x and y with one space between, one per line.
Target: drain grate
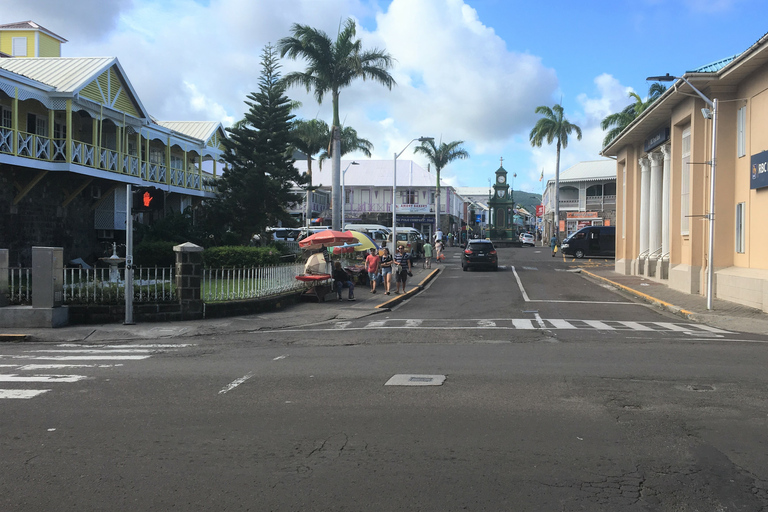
415 380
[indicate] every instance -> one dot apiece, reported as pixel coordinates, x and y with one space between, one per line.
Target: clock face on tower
501 178
500 193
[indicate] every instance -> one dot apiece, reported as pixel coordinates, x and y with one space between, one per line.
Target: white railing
107 286
19 285
223 284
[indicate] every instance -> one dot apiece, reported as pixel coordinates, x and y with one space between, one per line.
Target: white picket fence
223 284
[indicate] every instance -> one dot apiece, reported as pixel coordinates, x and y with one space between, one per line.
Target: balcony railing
49 149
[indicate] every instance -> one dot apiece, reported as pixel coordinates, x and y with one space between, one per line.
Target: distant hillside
527 200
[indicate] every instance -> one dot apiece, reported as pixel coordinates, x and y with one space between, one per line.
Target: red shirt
372 262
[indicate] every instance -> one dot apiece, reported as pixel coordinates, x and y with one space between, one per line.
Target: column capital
656 158
666 150
645 163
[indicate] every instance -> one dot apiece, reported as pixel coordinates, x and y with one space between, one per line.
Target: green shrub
150 254
241 257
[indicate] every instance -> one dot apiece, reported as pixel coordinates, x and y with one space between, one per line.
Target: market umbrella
327 238
363 243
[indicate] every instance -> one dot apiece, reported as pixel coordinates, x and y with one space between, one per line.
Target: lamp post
343 195
712 104
394 189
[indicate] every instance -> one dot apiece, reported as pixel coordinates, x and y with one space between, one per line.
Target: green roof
714 67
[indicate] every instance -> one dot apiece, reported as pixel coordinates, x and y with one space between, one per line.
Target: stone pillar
3 277
654 214
645 204
665 202
189 273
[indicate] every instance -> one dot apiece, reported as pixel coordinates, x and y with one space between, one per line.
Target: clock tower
501 204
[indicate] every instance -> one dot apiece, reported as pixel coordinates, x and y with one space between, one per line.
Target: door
608 242
594 241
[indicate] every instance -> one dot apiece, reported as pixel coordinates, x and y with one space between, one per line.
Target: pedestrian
450 239
386 269
438 235
402 268
427 254
342 280
373 263
553 245
439 251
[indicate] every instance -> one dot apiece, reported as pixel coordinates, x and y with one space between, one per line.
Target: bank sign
759 170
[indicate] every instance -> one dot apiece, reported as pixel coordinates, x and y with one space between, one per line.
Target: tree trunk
308 213
336 198
437 200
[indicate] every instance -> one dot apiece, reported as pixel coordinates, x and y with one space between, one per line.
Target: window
6 117
348 196
409 197
685 183
741 126
19 47
740 224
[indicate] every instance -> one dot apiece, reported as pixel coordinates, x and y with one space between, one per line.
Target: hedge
241 257
151 254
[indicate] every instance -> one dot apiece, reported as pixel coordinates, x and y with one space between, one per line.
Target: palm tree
553 126
309 137
440 156
620 120
331 66
350 142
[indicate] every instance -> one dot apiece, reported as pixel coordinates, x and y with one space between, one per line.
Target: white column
654 242
665 199
645 203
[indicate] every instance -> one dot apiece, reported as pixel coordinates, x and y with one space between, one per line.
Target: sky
469 70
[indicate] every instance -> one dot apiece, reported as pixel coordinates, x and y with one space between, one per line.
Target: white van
412 240
367 228
284 234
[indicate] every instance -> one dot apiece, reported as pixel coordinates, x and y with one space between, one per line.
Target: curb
14 337
407 295
688 315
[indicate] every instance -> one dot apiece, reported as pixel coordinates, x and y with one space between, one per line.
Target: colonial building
368 194
73 134
666 182
587 198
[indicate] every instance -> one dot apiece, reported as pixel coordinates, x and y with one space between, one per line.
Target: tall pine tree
256 188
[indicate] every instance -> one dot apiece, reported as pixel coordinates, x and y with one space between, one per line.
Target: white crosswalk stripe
22 368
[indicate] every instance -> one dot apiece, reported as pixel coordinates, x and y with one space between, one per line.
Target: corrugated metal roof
65 75
372 173
201 130
30 25
590 170
714 67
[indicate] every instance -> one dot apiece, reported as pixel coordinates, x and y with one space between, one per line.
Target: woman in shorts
386 269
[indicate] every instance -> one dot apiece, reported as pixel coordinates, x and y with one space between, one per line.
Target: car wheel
578 253
496 268
464 268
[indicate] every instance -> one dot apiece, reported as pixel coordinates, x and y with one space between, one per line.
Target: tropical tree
309 137
332 66
615 123
440 156
258 183
350 142
553 126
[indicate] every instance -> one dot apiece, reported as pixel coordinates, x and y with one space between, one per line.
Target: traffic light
147 199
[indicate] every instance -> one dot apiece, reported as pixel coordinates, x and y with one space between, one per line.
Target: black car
479 253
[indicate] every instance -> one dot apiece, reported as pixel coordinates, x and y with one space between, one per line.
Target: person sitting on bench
342 280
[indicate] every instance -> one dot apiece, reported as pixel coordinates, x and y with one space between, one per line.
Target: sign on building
759 170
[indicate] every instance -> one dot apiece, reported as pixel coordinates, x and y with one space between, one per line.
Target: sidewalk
297 315
724 314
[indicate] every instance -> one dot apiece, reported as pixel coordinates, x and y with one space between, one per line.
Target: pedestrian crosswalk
34 372
525 324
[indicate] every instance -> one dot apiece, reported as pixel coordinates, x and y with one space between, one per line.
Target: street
558 394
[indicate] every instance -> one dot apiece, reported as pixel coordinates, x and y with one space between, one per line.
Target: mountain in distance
527 200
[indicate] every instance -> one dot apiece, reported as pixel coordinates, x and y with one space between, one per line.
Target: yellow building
664 183
73 134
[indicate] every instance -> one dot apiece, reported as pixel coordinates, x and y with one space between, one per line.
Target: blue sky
472 70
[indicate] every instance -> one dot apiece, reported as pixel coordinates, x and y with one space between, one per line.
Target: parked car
591 241
412 240
527 239
479 253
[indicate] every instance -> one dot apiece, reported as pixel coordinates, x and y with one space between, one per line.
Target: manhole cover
415 380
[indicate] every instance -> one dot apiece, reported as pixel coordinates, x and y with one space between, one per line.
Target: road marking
232 385
342 325
520 285
413 323
151 346
597 324
486 323
561 324
92 351
34 367
279 358
530 268
42 378
712 329
540 321
376 323
636 326
21 393
673 327
79 358
523 323
415 380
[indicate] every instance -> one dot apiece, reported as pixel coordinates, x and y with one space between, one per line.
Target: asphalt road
559 395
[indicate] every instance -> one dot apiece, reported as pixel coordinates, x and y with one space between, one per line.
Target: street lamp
394 190
712 104
343 195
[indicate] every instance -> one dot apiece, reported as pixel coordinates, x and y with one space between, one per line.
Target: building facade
587 198
73 134
665 183
368 194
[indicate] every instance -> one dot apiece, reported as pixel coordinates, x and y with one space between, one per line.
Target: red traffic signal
147 198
